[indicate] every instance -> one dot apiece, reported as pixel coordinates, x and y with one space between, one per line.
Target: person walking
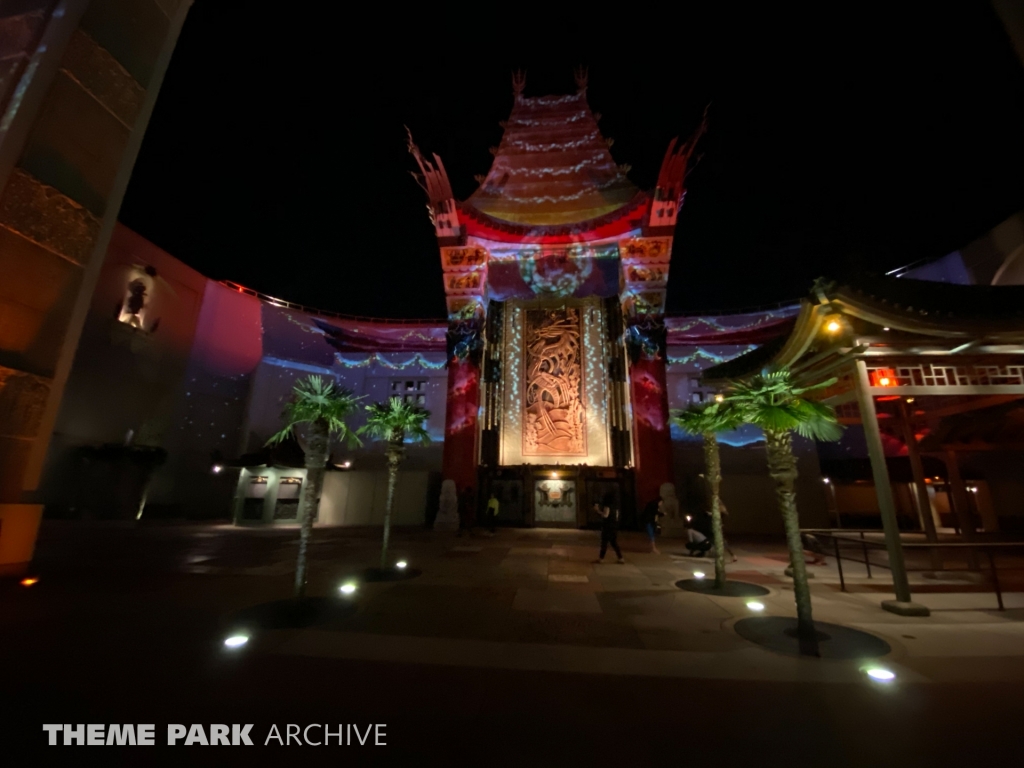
493 506
649 522
609 513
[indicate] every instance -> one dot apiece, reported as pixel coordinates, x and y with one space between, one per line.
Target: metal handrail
794 303
837 535
326 313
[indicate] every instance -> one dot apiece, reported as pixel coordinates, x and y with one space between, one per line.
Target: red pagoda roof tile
553 167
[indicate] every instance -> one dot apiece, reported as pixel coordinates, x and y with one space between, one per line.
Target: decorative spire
432 176
518 82
671 186
580 74
434 180
675 165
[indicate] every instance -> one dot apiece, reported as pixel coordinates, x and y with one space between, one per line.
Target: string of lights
682 325
702 354
376 357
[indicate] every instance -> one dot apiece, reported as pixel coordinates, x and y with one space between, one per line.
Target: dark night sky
859 141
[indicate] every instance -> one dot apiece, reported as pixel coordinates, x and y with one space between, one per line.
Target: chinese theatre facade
555 272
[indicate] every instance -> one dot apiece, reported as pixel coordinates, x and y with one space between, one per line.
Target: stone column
924 504
70 131
961 503
902 605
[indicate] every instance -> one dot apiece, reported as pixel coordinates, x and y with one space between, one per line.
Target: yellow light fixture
833 326
719 398
554 475
28 582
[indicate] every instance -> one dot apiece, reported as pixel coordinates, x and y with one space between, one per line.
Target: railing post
995 578
867 560
839 565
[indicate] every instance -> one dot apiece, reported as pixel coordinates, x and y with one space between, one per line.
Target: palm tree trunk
316 461
782 468
394 457
713 463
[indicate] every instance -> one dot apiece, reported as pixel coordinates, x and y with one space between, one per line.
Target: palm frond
771 400
707 418
316 400
395 420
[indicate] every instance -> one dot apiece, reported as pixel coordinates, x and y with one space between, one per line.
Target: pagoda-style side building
555 272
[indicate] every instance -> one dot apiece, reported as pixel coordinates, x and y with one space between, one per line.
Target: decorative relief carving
644 302
464 282
554 417
462 258
656 249
647 275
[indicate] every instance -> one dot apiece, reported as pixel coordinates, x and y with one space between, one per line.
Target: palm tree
323 408
707 420
772 401
392 422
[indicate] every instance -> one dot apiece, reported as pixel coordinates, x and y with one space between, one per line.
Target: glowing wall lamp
884 377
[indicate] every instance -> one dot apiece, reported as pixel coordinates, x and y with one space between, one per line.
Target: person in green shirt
492 513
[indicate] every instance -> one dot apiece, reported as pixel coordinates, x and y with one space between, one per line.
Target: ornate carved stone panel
554 415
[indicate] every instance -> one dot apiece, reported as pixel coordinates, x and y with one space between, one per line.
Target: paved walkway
534 600
512 651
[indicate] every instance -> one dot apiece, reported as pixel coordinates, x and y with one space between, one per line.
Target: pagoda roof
946 313
553 167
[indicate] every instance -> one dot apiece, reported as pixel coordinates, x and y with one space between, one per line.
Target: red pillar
652 440
460 428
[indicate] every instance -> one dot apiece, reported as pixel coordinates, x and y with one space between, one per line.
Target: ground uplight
698 575
236 641
401 565
347 589
29 581
880 674
754 605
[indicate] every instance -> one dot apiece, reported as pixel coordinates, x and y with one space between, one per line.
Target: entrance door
510 500
555 502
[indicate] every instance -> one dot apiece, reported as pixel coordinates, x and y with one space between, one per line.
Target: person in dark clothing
701 523
696 542
649 522
609 513
467 511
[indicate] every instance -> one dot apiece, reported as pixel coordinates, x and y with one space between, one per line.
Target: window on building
412 391
287 507
252 506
